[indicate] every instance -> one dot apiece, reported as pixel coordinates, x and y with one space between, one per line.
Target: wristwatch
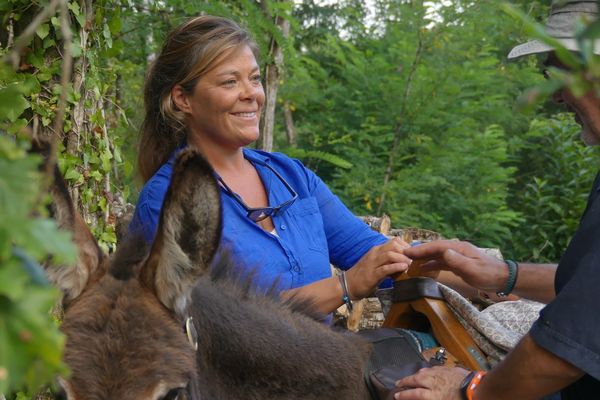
468 385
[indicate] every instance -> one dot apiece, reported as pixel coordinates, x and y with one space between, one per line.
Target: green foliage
459 187
30 342
551 190
442 92
319 156
400 107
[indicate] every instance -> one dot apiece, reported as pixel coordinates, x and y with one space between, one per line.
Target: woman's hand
377 264
467 261
437 383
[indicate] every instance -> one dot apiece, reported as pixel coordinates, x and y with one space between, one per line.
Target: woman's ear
181 99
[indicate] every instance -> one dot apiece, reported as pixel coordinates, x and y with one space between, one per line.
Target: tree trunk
398 128
80 113
273 72
290 129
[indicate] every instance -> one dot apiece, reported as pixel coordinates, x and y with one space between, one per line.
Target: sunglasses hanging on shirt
261 213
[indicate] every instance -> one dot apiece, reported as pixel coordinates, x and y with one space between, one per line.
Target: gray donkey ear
71 279
188 233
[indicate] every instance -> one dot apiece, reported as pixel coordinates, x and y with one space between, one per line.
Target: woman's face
225 105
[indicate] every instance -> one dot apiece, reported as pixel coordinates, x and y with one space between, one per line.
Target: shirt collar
256 156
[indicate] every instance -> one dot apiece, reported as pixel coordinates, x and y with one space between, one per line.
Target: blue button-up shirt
315 230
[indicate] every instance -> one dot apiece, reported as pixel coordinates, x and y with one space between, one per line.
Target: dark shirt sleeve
568 326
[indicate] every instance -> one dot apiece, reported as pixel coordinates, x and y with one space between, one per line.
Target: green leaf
12 280
96 175
12 103
320 155
115 24
49 42
73 175
106 158
76 50
81 20
74 7
107 35
592 31
43 30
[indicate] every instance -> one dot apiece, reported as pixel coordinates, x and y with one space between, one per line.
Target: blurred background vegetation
404 107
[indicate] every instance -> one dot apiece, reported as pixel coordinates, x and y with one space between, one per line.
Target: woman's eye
229 82
257 79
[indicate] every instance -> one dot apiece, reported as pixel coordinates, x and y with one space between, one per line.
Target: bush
30 341
555 176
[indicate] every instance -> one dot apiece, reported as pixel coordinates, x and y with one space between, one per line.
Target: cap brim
536 47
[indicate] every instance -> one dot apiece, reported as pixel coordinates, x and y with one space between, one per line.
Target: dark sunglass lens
259 215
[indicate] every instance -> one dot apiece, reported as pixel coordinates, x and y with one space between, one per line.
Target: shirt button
297 268
283 227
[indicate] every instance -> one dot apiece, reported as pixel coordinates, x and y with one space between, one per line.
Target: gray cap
561 23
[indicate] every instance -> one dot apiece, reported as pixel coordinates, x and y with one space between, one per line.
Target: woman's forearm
325 295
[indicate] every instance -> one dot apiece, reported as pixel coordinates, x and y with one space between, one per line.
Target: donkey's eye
173 394
61 395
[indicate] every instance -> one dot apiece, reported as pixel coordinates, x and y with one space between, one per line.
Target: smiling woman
224 107
279 219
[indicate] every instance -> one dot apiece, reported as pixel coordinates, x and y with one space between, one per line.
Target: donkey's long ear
71 279
188 233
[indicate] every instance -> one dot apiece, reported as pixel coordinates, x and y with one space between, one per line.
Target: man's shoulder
596 186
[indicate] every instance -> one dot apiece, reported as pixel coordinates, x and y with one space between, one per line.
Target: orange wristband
475 381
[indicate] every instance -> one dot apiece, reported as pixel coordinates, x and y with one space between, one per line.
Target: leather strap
414 289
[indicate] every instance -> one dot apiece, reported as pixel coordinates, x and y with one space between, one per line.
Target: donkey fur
124 328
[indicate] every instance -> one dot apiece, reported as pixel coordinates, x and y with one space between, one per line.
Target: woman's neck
225 161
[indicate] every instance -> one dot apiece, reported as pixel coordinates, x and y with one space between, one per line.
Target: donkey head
124 317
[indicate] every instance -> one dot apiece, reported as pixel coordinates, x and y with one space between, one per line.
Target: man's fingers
413 394
437 248
421 379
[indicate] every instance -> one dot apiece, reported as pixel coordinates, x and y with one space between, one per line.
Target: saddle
417 304
395 355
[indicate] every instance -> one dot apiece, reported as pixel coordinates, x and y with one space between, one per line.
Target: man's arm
528 372
534 281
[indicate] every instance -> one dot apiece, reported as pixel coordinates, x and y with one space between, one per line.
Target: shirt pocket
308 223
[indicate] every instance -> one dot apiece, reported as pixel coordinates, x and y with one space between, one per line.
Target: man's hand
437 383
465 260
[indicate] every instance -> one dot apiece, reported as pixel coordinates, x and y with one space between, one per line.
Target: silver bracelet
345 296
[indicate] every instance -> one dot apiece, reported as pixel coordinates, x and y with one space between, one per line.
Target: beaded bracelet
345 296
513 271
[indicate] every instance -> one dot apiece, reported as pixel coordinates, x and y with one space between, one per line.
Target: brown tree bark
273 72
80 113
290 129
398 128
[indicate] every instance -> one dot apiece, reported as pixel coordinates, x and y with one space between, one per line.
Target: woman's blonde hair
189 51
